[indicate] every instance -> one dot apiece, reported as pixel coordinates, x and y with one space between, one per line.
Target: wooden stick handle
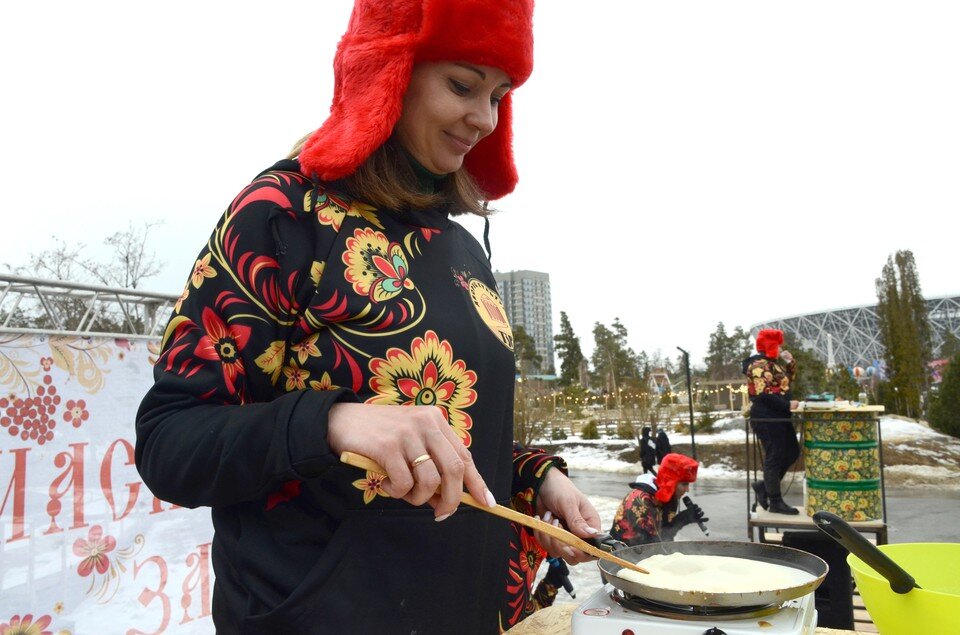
364 463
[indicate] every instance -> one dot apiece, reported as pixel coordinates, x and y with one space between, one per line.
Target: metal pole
686 364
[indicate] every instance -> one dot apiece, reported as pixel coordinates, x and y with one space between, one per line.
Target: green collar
427 181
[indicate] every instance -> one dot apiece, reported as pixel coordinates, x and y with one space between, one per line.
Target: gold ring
423 458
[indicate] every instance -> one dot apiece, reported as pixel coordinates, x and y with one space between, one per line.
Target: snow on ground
602 455
896 428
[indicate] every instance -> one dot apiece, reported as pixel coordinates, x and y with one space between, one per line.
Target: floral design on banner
32 409
32 418
100 566
76 412
25 625
372 486
427 376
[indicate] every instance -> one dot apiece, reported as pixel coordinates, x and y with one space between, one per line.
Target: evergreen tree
950 346
614 362
945 405
811 375
527 421
904 332
568 349
725 353
524 352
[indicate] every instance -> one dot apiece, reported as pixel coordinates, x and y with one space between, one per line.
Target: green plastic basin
933 609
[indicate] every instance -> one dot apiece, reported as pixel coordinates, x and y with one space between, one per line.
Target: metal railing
35 305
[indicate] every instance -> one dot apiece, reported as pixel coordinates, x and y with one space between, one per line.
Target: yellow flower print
325 383
372 487
306 348
201 271
364 211
183 296
427 376
296 376
376 267
331 209
316 272
270 361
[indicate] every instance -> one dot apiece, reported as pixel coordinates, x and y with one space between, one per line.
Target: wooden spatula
364 463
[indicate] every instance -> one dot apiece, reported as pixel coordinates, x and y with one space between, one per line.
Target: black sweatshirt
301 299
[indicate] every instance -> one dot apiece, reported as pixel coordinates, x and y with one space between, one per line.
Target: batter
715 574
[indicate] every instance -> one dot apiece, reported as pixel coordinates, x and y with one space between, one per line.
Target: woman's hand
395 436
560 500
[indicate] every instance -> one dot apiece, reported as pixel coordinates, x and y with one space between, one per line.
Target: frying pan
772 554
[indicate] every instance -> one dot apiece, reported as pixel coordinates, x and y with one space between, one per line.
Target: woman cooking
334 289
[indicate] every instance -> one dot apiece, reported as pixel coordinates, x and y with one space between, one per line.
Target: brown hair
386 179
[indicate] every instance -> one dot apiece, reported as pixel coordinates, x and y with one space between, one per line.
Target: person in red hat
337 307
649 512
769 374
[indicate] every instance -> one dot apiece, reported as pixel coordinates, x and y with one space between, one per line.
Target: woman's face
447 109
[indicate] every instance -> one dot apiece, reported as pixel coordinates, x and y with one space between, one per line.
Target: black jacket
303 298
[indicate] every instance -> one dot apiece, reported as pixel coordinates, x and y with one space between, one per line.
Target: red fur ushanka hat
769 341
372 68
674 469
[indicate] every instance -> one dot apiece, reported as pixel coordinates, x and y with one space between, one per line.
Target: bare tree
128 264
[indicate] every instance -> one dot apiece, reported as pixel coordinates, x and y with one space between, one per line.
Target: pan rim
763 552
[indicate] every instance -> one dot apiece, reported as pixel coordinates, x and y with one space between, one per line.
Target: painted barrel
842 464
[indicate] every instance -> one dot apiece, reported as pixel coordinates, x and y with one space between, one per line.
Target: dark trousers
780 451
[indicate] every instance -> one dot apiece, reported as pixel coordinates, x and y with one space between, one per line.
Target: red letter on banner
70 478
106 479
18 484
147 595
199 574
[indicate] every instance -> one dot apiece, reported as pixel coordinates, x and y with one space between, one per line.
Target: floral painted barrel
842 463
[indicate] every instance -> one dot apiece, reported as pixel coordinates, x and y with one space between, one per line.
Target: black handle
606 542
838 529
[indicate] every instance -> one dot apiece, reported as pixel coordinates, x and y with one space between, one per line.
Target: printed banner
86 548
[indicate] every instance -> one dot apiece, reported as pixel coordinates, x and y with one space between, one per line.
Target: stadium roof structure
850 337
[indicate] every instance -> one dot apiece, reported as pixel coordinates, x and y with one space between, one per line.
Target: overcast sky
681 163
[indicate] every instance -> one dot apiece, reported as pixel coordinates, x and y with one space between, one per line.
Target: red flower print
26 626
531 555
46 363
94 551
429 390
224 343
76 412
429 232
429 375
288 491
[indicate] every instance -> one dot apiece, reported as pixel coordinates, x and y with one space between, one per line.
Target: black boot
777 506
761 493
